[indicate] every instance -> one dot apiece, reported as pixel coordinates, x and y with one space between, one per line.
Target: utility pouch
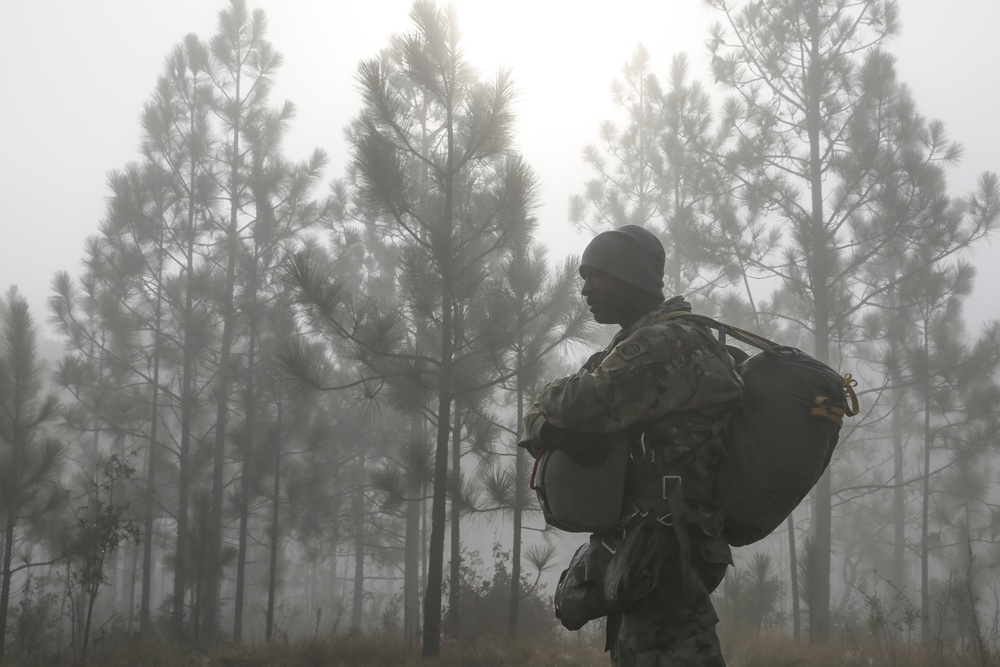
635 569
579 596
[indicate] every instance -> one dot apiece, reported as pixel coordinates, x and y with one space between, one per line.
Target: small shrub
34 621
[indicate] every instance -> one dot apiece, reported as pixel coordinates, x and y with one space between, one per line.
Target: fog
264 365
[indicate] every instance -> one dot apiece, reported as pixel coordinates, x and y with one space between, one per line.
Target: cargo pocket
712 559
579 596
635 569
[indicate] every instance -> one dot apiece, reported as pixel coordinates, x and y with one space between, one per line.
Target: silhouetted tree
436 174
535 313
177 141
30 460
99 528
654 172
242 66
816 108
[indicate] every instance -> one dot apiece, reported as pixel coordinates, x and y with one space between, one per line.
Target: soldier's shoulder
678 329
658 341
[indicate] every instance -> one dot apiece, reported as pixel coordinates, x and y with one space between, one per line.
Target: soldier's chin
600 315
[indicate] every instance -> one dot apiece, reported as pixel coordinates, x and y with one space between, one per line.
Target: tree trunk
432 600
133 575
455 590
925 511
272 577
5 575
819 585
513 610
187 409
411 567
898 493
241 552
150 515
519 501
359 544
213 585
793 564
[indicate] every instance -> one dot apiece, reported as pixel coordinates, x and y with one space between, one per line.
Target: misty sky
78 73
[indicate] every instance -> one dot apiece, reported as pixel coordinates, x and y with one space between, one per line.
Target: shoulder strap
756 340
742 335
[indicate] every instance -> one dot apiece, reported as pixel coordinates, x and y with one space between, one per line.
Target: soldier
670 385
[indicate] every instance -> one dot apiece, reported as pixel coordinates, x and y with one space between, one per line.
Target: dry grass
781 651
376 651
380 652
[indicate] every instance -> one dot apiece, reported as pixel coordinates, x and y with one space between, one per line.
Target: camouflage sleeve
663 368
531 437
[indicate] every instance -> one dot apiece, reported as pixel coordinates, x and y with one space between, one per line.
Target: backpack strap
664 501
822 410
748 337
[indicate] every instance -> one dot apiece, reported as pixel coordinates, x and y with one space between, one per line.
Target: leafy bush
485 602
34 627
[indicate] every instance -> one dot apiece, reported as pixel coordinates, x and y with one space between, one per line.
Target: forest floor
375 651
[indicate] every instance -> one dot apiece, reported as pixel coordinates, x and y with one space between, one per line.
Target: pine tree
657 171
535 313
177 142
242 66
816 122
434 164
30 460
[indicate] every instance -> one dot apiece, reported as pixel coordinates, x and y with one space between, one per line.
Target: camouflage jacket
664 377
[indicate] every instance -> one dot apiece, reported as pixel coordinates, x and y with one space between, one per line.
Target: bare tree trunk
213 585
454 617
187 394
431 645
513 611
150 514
241 552
133 575
819 586
5 575
411 567
359 544
898 494
925 598
272 577
794 567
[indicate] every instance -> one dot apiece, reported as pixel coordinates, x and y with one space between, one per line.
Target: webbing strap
673 313
534 471
849 384
742 335
673 493
823 409
761 343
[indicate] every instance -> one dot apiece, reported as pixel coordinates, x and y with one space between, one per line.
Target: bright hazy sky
77 74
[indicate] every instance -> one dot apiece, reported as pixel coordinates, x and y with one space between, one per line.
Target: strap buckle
670 494
646 450
666 481
611 550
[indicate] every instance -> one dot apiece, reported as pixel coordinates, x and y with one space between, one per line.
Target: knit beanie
631 254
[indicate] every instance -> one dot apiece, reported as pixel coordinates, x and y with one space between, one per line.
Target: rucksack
780 438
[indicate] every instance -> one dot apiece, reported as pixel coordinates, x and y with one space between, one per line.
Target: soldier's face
610 299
